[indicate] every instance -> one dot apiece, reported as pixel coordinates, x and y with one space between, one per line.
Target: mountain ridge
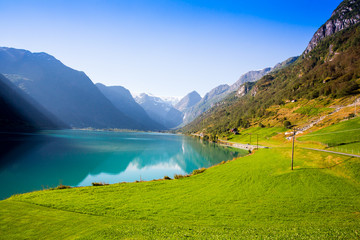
122 99
188 101
219 93
160 111
20 113
328 74
68 94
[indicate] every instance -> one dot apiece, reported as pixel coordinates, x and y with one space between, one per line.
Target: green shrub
61 187
198 171
167 178
287 124
351 115
99 184
206 138
213 138
180 176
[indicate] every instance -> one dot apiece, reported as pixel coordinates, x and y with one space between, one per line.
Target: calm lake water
31 162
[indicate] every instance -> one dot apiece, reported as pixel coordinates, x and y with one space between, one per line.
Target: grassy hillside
252 197
328 74
254 135
342 137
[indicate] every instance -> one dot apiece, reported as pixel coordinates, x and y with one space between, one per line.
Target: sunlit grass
263 136
341 137
257 196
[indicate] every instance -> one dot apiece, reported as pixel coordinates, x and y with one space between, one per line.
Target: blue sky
164 47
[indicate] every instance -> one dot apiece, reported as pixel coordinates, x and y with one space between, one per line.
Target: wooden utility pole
292 155
355 107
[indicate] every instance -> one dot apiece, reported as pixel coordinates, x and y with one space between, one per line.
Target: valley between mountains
287 189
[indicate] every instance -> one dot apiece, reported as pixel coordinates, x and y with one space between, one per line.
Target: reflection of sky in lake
133 173
78 158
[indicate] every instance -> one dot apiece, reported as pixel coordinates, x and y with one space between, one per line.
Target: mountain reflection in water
31 162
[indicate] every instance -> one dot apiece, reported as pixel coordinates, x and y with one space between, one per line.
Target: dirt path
240 145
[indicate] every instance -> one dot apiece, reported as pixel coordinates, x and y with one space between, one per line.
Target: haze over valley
180 119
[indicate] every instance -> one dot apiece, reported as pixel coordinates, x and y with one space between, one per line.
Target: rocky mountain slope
219 93
345 15
66 93
250 76
325 75
208 101
20 113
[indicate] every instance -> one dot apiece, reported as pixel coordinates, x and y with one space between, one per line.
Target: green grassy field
341 137
254 197
262 135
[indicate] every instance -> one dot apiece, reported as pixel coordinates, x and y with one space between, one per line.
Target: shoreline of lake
78 158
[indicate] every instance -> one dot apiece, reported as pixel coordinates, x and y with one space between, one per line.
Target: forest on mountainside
330 70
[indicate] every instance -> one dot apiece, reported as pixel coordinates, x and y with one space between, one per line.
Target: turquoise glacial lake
30 162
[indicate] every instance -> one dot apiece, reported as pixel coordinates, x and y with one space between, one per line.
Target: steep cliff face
345 15
244 89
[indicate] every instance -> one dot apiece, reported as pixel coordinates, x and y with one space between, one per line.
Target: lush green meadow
340 137
263 136
254 197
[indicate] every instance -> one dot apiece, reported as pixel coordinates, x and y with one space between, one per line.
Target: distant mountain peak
143 97
122 99
160 110
171 101
188 101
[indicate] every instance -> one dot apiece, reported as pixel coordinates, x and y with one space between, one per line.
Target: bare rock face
243 90
345 15
251 76
254 91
